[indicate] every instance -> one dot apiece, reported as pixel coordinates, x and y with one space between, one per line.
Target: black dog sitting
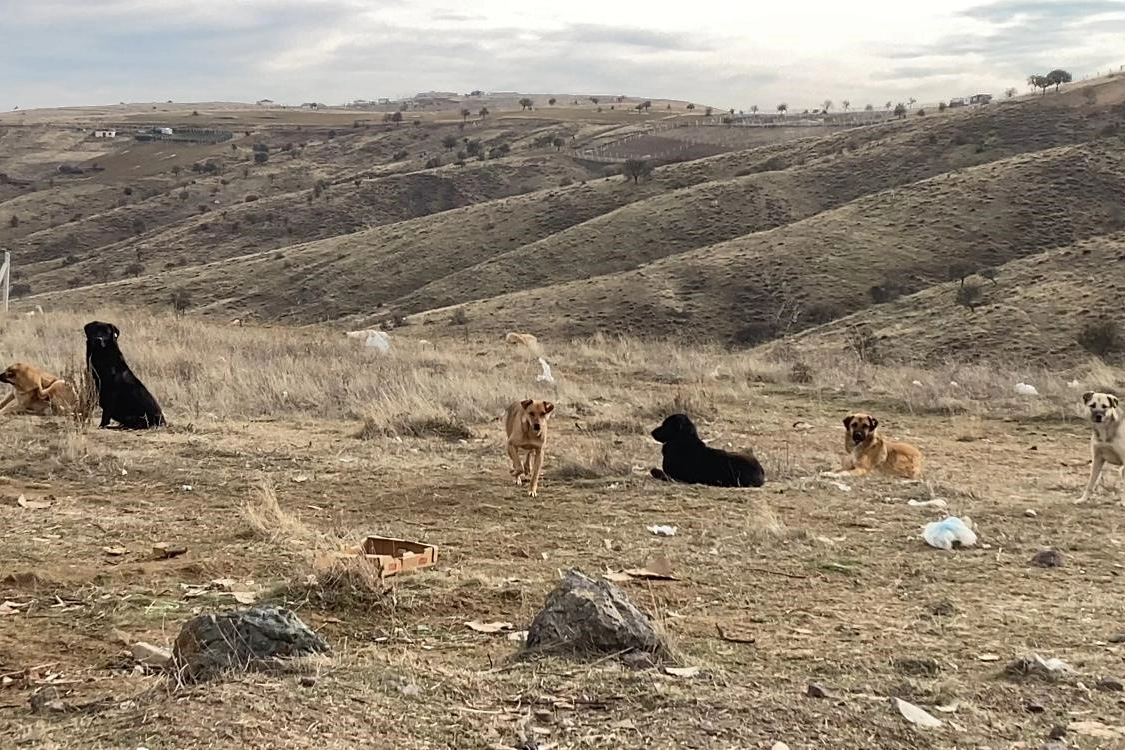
688 459
122 396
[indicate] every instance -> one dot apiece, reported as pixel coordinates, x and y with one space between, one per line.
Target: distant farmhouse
105 133
974 100
265 102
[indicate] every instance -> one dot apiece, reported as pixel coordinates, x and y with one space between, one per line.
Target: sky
721 53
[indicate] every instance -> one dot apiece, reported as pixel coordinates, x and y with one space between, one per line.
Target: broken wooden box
393 556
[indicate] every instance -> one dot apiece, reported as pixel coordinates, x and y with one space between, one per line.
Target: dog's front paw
533 492
1082 499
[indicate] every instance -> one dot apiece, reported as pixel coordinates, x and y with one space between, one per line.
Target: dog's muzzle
858 437
1098 417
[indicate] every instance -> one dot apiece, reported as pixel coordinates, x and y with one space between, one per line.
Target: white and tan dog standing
1107 439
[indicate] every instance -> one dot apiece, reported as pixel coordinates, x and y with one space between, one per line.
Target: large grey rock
256 638
586 617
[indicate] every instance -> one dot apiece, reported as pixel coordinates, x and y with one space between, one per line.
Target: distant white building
105 133
163 131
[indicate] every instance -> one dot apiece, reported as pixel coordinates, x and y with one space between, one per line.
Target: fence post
6 273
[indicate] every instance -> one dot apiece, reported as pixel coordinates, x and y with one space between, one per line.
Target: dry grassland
284 443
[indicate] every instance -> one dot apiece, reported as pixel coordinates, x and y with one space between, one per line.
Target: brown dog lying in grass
36 391
527 430
869 452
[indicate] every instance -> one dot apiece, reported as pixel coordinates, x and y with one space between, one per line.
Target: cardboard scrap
489 627
656 569
391 556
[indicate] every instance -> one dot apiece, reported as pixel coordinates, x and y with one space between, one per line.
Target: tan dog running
36 391
1107 439
527 430
868 451
527 340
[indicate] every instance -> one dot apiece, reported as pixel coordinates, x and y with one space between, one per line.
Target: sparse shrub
134 269
261 157
1101 337
969 295
459 317
250 198
181 300
823 312
636 169
19 289
988 274
433 162
865 344
884 292
14 221
400 155
128 191
565 182
138 226
70 260
184 195
801 372
1091 96
942 106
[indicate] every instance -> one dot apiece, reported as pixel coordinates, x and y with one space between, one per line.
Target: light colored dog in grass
527 431
868 452
1107 439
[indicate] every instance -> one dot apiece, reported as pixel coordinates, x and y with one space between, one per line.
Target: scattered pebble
1048 558
1109 685
1030 513
816 690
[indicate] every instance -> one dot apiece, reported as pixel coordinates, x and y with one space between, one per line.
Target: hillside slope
764 284
1035 310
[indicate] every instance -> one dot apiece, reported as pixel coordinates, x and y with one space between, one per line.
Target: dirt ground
828 579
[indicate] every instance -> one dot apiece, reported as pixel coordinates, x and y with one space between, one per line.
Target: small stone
1048 558
1117 638
1030 513
151 656
779 746
816 690
1057 732
1109 685
306 680
586 617
917 667
943 608
1033 707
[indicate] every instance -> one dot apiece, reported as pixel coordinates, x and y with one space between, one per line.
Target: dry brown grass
834 585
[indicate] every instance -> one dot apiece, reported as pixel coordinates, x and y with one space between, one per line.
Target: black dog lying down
122 396
688 459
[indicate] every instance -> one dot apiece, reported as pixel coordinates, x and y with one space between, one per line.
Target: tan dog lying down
36 391
527 430
868 452
526 339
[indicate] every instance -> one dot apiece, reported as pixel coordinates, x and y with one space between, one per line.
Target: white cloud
720 53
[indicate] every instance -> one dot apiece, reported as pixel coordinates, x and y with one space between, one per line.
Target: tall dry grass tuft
267 520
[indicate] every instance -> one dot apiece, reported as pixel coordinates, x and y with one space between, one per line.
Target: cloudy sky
725 53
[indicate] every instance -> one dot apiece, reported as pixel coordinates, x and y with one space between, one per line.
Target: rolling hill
819 233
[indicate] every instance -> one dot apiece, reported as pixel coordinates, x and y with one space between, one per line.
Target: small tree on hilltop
396 118
558 142
783 108
465 114
525 103
1058 77
869 108
846 105
483 112
635 169
827 105
690 107
911 102
942 106
449 141
900 110
1039 82
1010 92
594 100
552 101
261 157
754 109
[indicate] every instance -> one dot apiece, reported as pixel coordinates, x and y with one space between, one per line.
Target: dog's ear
1113 402
1087 396
548 407
526 402
874 422
115 330
848 422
